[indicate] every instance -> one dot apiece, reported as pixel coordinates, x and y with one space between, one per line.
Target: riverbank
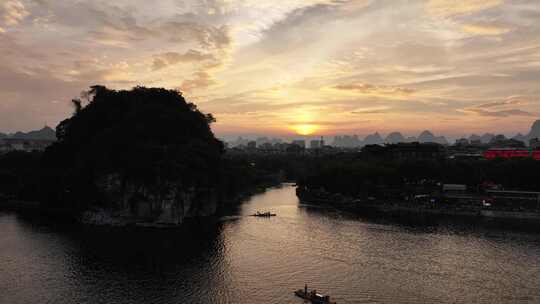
106 218
35 209
427 211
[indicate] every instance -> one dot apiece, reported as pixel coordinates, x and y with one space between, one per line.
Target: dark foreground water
244 259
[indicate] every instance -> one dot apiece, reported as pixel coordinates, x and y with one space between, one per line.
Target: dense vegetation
20 176
141 132
353 175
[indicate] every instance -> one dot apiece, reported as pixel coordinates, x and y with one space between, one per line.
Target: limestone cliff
163 204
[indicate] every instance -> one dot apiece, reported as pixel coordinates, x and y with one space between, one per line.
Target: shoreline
69 216
404 211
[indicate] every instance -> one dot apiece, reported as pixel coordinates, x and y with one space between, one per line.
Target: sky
282 67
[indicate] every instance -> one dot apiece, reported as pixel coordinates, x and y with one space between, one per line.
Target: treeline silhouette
359 176
20 176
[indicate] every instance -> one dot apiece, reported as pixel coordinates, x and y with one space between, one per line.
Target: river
243 259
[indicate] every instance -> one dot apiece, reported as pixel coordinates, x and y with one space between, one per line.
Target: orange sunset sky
282 67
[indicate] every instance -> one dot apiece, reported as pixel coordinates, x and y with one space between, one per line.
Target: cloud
208 36
485 30
329 123
500 108
368 111
377 90
510 101
125 24
501 113
199 80
448 8
12 12
301 27
123 32
171 58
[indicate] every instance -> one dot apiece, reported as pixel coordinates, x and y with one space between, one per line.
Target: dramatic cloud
377 90
510 101
208 37
11 13
199 80
371 111
451 7
171 58
501 108
479 29
276 66
501 113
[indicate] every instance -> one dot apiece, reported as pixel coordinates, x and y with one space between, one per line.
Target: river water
243 259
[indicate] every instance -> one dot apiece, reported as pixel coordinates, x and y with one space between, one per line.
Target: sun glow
305 129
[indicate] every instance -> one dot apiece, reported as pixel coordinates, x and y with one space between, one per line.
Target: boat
263 214
313 296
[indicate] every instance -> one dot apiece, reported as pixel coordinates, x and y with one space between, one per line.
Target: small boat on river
313 296
263 214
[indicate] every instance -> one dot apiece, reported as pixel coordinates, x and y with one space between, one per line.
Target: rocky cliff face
535 130
164 204
533 133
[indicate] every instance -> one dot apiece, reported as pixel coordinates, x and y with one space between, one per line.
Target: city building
413 150
347 141
500 141
506 153
27 145
299 142
466 156
454 188
316 144
462 142
534 143
416 151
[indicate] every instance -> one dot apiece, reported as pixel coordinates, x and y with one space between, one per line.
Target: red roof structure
508 153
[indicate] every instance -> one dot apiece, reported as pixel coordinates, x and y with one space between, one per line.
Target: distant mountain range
45 133
48 133
392 138
348 141
488 137
428 137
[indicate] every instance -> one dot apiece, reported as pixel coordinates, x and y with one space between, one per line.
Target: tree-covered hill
142 151
142 133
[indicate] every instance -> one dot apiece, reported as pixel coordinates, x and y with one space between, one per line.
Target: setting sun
305 129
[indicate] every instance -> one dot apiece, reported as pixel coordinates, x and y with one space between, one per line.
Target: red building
508 153
536 154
